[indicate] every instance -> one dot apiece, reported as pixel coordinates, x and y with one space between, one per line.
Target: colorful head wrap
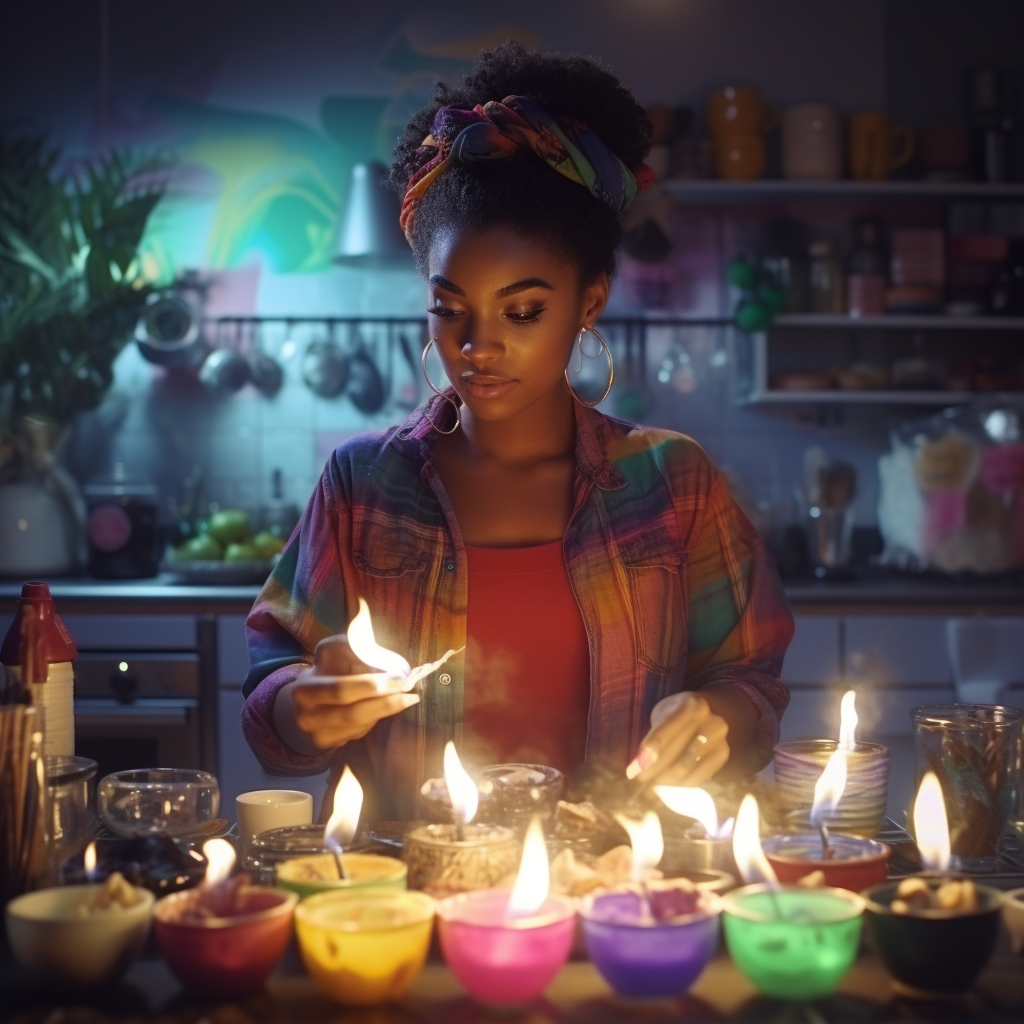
495 131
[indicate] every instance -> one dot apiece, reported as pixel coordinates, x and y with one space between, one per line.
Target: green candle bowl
793 943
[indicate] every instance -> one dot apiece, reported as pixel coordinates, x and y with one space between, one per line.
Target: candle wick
340 865
827 852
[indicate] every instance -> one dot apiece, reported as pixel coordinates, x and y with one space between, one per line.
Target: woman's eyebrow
442 282
522 286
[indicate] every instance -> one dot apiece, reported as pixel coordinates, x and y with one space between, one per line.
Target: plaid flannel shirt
676 590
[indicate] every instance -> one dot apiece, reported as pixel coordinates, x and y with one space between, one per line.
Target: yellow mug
877 146
739 157
739 110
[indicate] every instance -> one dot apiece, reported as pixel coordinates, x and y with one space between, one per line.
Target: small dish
171 801
48 933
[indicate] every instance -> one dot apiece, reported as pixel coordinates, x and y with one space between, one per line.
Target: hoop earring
430 384
611 365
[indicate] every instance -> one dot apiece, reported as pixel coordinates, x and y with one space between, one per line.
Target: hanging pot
169 332
325 367
366 386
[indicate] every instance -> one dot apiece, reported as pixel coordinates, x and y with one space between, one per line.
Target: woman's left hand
688 743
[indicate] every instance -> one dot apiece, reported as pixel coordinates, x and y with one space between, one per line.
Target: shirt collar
416 438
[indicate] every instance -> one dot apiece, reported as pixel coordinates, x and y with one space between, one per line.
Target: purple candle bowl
643 958
500 960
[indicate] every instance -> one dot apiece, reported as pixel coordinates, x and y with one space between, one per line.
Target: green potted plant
71 292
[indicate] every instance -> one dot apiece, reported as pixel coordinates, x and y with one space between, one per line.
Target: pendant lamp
369 235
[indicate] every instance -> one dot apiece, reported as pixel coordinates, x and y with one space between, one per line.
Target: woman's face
504 312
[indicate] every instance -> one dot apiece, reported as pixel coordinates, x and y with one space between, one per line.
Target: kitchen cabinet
237 768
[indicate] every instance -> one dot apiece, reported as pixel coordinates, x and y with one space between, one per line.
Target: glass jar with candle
975 751
275 846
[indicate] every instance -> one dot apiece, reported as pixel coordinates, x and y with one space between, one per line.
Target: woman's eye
442 311
529 317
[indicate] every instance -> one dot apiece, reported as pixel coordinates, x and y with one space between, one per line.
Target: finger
663 745
332 725
707 767
334 657
706 748
346 690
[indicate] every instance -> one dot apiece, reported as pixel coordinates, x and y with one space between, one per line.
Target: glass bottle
865 285
827 290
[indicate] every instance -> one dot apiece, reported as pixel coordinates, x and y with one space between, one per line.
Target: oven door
150 732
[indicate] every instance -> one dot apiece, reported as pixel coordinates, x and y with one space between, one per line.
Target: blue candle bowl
642 958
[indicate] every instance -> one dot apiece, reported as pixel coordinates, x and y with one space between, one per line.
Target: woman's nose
482 350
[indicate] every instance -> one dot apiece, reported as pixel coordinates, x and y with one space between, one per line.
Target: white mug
264 809
812 142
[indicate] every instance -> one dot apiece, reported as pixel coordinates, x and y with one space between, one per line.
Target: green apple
202 548
229 526
267 545
241 553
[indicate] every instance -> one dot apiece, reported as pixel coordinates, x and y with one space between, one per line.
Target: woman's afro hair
522 191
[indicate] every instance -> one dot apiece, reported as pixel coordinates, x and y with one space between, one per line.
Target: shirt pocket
655 574
386 549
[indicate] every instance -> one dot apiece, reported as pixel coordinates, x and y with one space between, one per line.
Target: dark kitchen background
729 317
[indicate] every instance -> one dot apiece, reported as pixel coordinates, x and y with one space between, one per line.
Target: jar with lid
865 285
276 845
123 526
827 291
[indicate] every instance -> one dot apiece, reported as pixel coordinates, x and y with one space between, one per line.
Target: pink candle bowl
798 766
503 960
224 957
855 864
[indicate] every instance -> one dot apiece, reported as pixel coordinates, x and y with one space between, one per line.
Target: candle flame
220 859
534 878
848 721
691 802
746 845
462 790
365 647
89 859
930 825
344 819
648 844
829 788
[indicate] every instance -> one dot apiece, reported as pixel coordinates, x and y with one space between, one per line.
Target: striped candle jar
798 765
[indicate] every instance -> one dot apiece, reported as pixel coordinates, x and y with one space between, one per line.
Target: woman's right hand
315 716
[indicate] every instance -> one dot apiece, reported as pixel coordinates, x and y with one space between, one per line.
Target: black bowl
932 950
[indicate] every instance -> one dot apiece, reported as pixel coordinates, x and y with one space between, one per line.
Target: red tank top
527 689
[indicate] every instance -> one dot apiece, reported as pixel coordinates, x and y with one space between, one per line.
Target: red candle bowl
225 956
855 864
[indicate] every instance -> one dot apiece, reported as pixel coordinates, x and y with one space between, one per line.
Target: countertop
896 591
577 996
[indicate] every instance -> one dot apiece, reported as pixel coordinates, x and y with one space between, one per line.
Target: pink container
504 961
225 956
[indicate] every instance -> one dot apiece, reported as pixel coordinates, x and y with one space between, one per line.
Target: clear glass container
827 280
515 793
975 751
70 783
172 801
277 845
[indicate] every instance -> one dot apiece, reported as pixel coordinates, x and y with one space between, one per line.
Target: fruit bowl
211 573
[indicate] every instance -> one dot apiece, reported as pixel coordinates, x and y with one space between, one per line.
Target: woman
591 573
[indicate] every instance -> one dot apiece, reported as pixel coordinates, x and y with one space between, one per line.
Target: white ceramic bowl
46 933
1013 915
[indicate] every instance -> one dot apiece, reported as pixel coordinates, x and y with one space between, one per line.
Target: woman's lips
480 386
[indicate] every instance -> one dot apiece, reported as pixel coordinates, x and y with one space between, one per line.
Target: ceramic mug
877 146
264 809
812 143
739 110
739 157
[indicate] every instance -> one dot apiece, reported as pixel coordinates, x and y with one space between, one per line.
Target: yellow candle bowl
364 946
318 873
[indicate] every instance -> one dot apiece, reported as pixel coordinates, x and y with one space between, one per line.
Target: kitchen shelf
712 192
938 322
839 396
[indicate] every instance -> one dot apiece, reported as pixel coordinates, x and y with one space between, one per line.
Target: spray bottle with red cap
37 654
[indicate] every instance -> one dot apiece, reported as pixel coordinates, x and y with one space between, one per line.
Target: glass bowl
169 801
